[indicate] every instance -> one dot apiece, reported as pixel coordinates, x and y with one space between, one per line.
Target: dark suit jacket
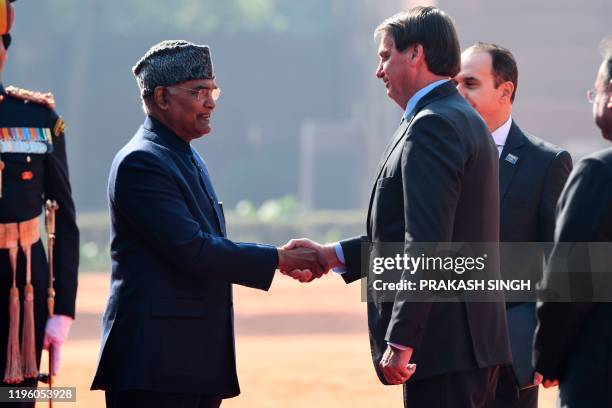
168 325
529 190
437 182
584 214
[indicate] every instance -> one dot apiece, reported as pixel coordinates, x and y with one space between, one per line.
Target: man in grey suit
532 175
436 182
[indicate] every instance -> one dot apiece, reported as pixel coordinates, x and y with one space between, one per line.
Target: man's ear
609 104
507 89
160 97
416 53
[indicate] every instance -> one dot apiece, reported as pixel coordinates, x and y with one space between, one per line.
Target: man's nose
210 103
379 71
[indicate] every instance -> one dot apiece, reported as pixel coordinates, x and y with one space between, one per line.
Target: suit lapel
397 136
438 92
209 190
510 158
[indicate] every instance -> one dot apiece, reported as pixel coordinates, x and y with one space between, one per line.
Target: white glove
56 332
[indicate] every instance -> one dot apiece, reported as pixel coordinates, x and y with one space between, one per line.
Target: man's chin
205 130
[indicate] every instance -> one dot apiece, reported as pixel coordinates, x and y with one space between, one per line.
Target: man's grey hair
146 108
171 62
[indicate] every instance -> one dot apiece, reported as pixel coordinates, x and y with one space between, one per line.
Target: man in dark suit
573 345
168 337
437 182
531 176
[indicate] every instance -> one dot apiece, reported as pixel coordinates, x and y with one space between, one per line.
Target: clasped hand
395 365
306 260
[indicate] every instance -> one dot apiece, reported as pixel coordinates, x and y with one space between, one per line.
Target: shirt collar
157 127
412 102
501 133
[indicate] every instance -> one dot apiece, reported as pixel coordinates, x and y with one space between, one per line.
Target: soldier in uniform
33 178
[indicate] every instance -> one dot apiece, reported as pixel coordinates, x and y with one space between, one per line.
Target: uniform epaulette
43 98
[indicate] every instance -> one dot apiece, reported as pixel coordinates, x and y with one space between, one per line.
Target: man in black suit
573 345
168 337
531 176
437 182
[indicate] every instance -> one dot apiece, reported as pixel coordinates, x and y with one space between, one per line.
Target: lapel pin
512 159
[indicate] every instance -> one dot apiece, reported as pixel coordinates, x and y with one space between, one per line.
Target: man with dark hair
574 340
38 297
531 176
168 337
407 29
436 182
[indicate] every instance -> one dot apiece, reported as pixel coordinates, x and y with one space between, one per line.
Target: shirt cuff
398 346
340 254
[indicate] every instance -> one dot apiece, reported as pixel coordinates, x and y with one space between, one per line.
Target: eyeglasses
591 95
203 93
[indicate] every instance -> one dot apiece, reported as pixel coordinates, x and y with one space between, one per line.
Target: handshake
306 260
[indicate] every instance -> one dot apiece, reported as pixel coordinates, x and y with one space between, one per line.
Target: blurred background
298 130
302 120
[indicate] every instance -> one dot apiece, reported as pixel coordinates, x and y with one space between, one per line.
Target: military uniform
34 170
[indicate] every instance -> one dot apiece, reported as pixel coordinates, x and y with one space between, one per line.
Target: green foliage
283 208
199 17
248 226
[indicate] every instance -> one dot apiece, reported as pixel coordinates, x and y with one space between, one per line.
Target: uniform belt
14 233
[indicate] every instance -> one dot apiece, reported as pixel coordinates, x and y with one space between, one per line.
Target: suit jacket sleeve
352 256
147 197
66 254
555 179
432 168
581 207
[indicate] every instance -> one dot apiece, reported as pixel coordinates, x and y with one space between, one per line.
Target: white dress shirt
501 134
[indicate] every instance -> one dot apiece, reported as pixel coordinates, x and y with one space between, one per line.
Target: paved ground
298 346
